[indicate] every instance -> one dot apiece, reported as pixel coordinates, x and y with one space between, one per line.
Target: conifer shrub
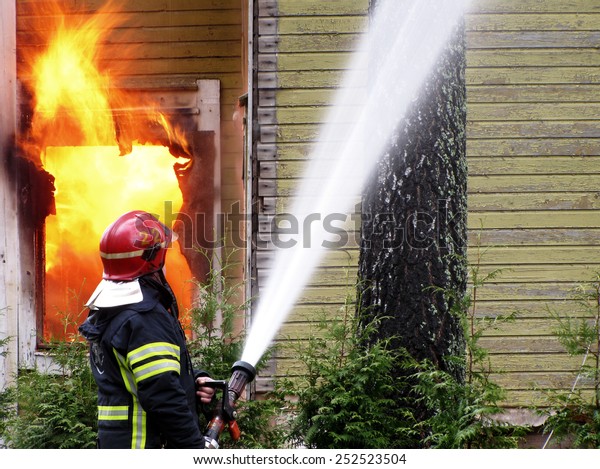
347 395
573 417
52 409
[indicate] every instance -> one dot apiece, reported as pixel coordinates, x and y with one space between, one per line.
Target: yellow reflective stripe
156 367
138 433
152 350
106 412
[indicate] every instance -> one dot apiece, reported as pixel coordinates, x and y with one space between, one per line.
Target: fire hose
224 414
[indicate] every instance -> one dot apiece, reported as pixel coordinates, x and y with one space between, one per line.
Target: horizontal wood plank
312 7
486 202
521 255
162 67
478 166
493 112
534 111
585 130
479 94
533 75
532 39
534 6
154 35
566 274
492 147
184 50
539 237
149 19
531 183
537 93
524 309
548 21
533 145
534 165
494 256
534 201
321 24
477 184
32 7
314 61
531 58
501 363
273 43
574 130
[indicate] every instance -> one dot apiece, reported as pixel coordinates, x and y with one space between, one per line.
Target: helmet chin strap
174 307
158 280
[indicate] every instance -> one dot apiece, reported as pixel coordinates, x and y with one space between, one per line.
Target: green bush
6 395
348 396
464 414
52 410
574 416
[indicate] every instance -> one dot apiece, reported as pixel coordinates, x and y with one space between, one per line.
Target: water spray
225 414
403 44
404 41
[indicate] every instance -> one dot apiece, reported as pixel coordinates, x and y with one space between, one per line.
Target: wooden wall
533 150
533 92
9 263
303 48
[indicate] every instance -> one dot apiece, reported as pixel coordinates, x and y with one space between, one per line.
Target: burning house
106 116
205 112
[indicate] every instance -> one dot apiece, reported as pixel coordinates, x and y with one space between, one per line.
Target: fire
96 180
94 185
67 80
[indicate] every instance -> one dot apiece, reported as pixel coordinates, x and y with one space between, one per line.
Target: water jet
405 39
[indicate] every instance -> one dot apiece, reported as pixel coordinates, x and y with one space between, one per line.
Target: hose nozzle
225 413
242 374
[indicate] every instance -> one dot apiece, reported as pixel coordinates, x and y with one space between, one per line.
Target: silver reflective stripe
121 255
156 367
152 350
138 434
127 255
159 357
109 412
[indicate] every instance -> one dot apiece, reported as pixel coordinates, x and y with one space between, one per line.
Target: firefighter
147 390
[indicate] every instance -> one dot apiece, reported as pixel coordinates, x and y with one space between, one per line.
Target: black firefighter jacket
146 389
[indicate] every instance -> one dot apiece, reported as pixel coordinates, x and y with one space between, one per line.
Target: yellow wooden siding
533 78
533 148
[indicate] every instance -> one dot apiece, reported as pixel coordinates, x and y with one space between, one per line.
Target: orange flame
74 125
66 79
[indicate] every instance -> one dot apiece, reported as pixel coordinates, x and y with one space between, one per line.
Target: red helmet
134 245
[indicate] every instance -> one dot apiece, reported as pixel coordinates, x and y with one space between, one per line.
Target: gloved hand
204 393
